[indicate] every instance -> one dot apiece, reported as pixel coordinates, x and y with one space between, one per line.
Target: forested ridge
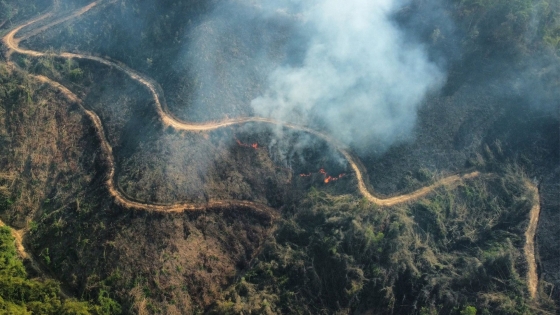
458 249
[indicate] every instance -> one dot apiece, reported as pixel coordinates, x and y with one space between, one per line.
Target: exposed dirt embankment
17 234
529 248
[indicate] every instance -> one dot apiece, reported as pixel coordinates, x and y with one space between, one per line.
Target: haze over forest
280 157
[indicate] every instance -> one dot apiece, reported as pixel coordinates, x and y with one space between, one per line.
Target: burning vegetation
327 178
254 145
339 253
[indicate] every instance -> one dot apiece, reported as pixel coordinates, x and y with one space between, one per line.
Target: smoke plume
359 79
343 67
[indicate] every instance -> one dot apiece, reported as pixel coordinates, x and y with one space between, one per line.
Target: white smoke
359 79
343 67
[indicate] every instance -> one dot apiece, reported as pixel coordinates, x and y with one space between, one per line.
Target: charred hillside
172 157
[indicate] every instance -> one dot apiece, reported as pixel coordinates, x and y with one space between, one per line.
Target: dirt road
167 119
529 248
170 121
17 234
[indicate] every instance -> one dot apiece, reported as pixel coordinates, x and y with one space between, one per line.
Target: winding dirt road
168 120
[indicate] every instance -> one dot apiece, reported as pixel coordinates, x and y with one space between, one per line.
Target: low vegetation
454 252
15 10
22 295
457 251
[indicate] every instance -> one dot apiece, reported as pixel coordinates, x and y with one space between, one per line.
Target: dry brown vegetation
46 65
456 250
43 136
188 252
328 256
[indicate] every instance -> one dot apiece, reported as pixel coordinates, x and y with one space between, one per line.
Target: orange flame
252 145
331 179
328 178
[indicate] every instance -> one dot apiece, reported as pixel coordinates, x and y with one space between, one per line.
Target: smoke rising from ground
343 67
358 79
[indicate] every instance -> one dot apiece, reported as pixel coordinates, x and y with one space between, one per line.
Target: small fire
252 145
332 179
328 178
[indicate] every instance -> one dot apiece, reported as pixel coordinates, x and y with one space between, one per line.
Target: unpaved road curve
12 42
128 202
13 45
34 264
22 252
170 121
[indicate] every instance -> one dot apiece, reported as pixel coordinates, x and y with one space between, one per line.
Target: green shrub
20 295
469 310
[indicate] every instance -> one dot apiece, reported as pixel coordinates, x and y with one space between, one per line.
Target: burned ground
401 260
